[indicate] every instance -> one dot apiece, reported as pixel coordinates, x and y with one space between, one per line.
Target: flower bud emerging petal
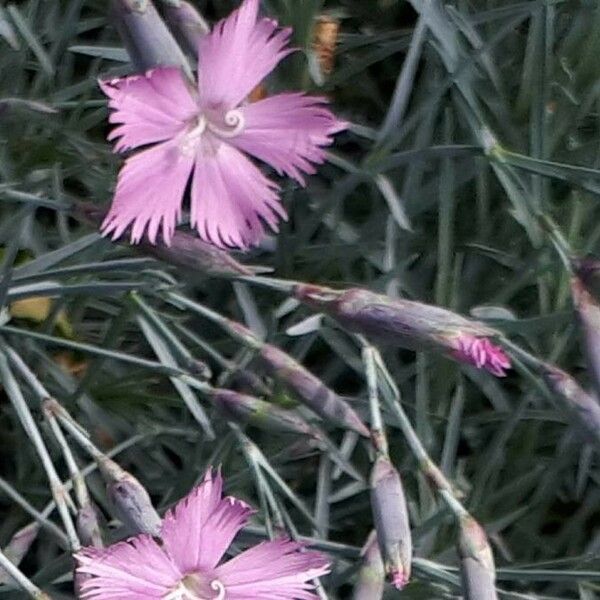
390 514
409 324
481 353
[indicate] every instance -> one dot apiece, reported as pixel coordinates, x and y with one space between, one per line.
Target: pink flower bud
409 324
481 353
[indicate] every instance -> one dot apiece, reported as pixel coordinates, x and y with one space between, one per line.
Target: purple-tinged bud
188 25
588 313
477 569
371 577
247 381
145 36
305 386
198 368
129 499
17 548
582 408
88 526
310 390
409 324
390 515
254 411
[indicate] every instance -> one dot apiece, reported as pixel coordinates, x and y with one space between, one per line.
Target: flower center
195 587
224 125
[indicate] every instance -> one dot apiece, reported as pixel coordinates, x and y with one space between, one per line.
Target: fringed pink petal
200 528
149 194
289 132
136 569
400 580
237 55
277 570
231 198
148 108
482 353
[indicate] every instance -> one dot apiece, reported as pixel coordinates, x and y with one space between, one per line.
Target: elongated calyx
478 572
409 324
310 389
188 25
145 36
305 386
390 515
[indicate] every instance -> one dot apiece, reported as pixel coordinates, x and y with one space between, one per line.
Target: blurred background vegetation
471 168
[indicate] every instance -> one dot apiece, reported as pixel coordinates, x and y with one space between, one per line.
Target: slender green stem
39 517
79 486
61 496
21 580
377 427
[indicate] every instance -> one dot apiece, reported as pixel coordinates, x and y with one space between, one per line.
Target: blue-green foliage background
474 125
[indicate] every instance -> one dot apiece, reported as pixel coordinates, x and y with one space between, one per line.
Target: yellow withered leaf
36 308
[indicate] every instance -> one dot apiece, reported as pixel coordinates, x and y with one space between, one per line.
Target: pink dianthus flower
187 562
209 133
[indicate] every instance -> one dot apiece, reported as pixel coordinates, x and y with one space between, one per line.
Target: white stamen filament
233 119
182 592
190 141
218 587
233 125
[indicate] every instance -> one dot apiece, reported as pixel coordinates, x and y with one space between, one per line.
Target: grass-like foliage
469 179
